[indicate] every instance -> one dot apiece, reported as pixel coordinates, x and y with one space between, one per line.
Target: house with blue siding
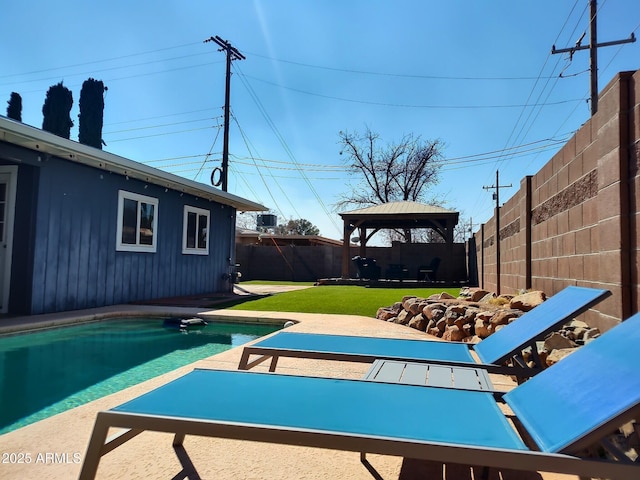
83 228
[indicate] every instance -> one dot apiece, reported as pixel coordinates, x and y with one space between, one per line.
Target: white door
8 181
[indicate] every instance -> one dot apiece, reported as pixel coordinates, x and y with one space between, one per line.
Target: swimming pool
46 372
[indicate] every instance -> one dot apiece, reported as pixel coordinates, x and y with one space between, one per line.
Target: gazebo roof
401 215
399 208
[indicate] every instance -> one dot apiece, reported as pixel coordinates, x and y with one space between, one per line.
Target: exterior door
8 181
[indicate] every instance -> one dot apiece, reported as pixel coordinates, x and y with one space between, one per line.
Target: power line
465 159
400 105
161 125
98 61
109 69
386 74
284 193
163 134
286 148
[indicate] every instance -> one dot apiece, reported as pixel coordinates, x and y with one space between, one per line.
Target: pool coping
27 324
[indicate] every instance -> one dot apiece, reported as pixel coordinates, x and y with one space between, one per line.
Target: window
137 221
195 236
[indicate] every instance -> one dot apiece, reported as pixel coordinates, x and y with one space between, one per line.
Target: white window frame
198 211
137 247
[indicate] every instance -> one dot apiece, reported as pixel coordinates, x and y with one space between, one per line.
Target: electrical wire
400 105
93 62
386 74
246 142
283 142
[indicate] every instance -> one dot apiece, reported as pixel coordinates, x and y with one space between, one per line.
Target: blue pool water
47 372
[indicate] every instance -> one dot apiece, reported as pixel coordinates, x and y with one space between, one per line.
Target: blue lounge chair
562 411
493 352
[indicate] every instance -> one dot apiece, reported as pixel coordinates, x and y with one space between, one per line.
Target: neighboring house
254 237
83 228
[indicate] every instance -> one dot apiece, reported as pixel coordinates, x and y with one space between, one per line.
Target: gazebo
395 215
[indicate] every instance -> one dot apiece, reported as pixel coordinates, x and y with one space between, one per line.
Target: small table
429 374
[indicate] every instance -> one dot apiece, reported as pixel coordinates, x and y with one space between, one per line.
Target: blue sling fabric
558 309
383 347
583 391
330 405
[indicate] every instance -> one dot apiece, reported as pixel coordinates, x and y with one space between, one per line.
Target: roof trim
26 136
399 208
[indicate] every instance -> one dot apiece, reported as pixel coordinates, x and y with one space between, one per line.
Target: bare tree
395 172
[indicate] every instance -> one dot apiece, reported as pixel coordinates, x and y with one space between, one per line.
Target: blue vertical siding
76 264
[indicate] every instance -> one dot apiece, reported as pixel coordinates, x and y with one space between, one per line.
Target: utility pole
496 197
232 54
593 52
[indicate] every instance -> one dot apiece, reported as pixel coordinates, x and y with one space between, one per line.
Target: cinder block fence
575 222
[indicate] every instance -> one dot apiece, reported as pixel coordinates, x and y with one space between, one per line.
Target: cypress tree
56 111
14 110
91 113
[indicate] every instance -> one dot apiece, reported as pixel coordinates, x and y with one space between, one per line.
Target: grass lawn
338 299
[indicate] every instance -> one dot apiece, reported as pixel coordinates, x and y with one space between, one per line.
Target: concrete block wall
310 263
575 222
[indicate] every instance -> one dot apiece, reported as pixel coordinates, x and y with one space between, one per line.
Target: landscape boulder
527 301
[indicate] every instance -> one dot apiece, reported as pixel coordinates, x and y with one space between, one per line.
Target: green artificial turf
338 299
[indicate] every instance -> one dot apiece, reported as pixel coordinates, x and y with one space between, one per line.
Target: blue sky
476 74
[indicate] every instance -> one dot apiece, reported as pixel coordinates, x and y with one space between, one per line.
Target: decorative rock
591 334
453 334
407 297
576 334
457 309
470 314
487 298
404 317
418 322
446 296
528 301
482 328
441 325
433 311
385 314
485 315
461 323
573 324
502 317
557 341
450 317
408 301
478 295
416 307
558 354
